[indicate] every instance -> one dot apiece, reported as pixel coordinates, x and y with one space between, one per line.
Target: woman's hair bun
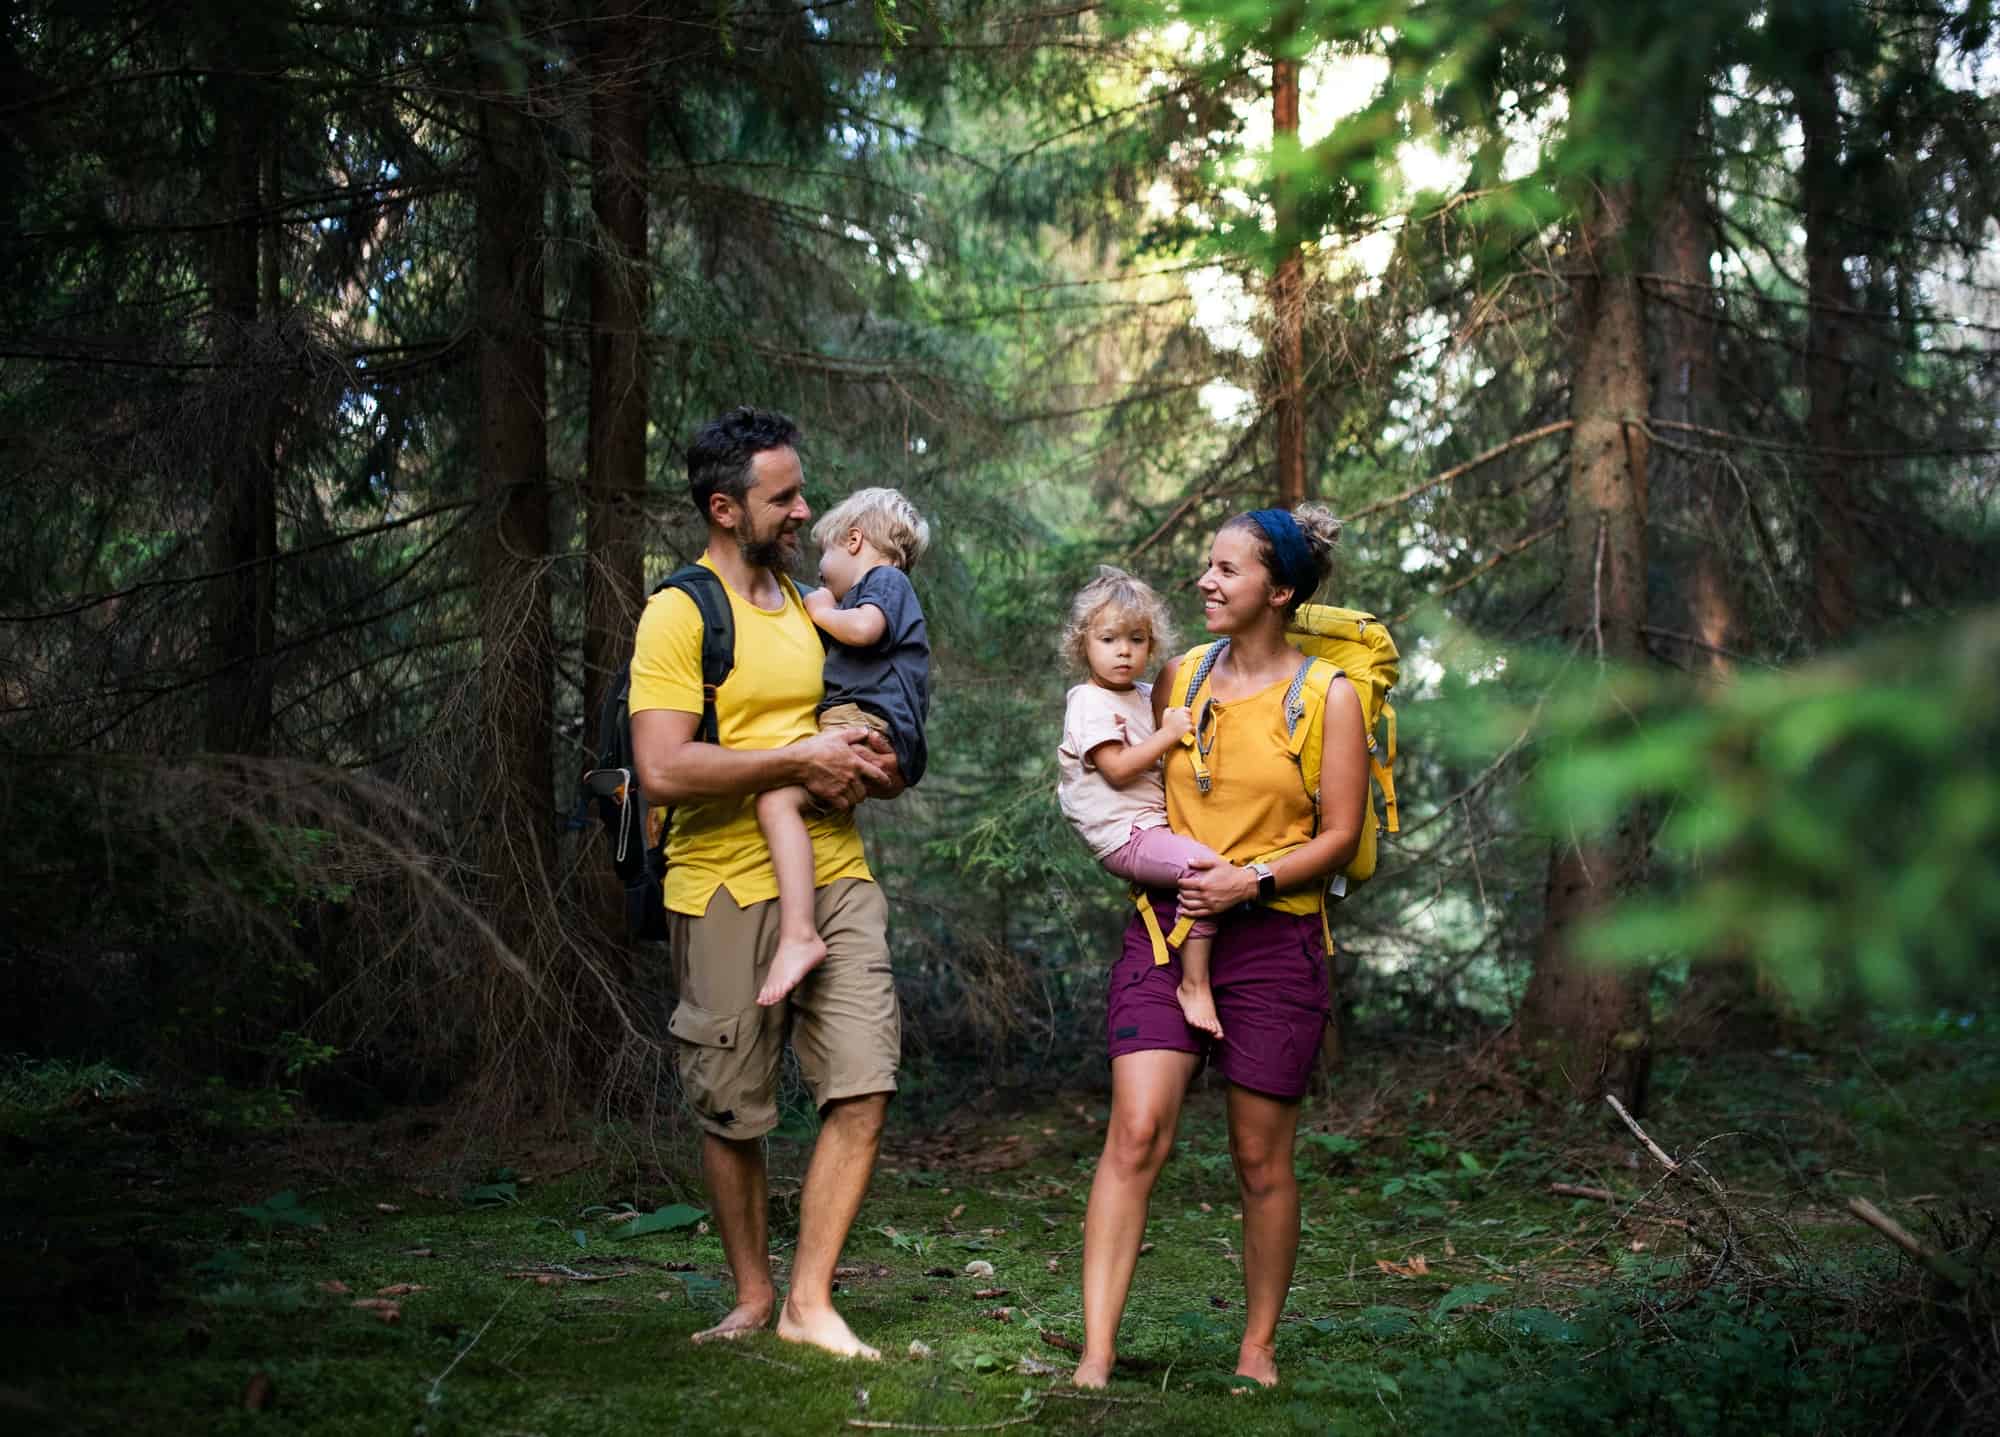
1322 531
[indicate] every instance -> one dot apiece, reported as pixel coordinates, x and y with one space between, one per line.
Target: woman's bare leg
1262 1131
1146 1093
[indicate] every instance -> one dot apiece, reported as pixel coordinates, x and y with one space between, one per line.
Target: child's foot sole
1198 1007
789 965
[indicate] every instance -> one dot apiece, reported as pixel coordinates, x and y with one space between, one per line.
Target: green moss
147 1286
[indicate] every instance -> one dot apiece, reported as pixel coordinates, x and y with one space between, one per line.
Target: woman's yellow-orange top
1257 807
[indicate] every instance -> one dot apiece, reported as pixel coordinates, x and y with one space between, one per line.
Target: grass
160 1270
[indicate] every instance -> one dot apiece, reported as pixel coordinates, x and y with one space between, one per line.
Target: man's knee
858 1118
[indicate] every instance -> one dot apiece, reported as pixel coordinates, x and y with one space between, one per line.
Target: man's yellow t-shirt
770 699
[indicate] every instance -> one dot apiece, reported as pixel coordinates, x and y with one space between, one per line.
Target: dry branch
944 1427
1933 1261
1605 1195
1458 470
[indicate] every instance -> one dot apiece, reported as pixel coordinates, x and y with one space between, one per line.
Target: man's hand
1211 887
842 766
884 754
1176 721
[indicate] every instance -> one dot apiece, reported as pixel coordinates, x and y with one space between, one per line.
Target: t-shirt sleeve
1092 720
666 655
889 589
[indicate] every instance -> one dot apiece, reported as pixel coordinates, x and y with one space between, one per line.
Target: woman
1268 966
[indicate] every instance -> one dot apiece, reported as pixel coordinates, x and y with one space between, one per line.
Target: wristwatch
1267 882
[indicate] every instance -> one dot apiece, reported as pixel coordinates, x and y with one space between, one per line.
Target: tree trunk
1288 301
1586 1024
515 625
614 574
241 538
1688 484
1288 358
1834 536
1721 1003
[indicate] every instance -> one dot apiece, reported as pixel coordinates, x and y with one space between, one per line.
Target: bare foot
795 958
743 1319
1258 1363
823 1328
1092 1372
1198 1007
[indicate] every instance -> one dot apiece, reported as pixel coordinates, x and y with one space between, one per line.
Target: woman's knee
1136 1141
1263 1166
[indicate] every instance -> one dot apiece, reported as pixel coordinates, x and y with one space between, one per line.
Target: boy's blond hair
1126 595
886 520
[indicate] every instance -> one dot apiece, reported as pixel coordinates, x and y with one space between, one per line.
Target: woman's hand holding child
1210 886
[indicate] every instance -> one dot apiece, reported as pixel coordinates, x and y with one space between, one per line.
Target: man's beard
770 553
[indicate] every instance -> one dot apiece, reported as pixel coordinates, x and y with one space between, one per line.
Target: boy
877 676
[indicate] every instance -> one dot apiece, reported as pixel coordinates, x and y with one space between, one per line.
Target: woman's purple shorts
1268 971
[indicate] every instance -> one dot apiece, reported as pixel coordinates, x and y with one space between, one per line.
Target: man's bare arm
838 768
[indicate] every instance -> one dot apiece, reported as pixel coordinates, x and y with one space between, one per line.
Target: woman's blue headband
1291 556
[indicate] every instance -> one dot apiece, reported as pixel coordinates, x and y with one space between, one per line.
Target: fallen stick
1640 1133
1072 1395
1572 1190
946 1427
1936 1262
1605 1195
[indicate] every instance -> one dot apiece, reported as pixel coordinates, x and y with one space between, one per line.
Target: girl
1110 788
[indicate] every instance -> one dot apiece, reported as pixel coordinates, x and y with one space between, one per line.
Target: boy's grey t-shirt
891 678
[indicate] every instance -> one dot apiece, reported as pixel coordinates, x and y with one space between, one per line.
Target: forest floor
161 1274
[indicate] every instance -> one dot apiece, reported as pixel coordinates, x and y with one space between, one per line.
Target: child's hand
820 601
1175 722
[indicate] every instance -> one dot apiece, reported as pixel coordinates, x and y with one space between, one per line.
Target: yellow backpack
1335 641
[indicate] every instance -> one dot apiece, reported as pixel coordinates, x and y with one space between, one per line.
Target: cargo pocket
708 1062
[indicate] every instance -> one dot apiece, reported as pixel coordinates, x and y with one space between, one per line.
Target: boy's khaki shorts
846 1026
852 716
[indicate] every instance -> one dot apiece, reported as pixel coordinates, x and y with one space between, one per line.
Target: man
721 891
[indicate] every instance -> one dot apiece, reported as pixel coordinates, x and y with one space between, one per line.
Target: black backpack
638 853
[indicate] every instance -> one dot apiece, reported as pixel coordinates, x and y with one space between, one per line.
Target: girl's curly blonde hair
1129 598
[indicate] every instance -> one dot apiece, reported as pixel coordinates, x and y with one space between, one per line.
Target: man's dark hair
719 458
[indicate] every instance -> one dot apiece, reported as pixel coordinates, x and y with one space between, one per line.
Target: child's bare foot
795 958
822 1328
1198 1007
743 1319
1092 1372
1258 1363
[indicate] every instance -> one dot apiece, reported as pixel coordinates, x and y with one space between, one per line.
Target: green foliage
281 1210
40 1085
675 1217
1718 1362
1838 824
499 1190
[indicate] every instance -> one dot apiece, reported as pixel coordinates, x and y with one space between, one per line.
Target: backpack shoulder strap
1197 664
1305 718
718 634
